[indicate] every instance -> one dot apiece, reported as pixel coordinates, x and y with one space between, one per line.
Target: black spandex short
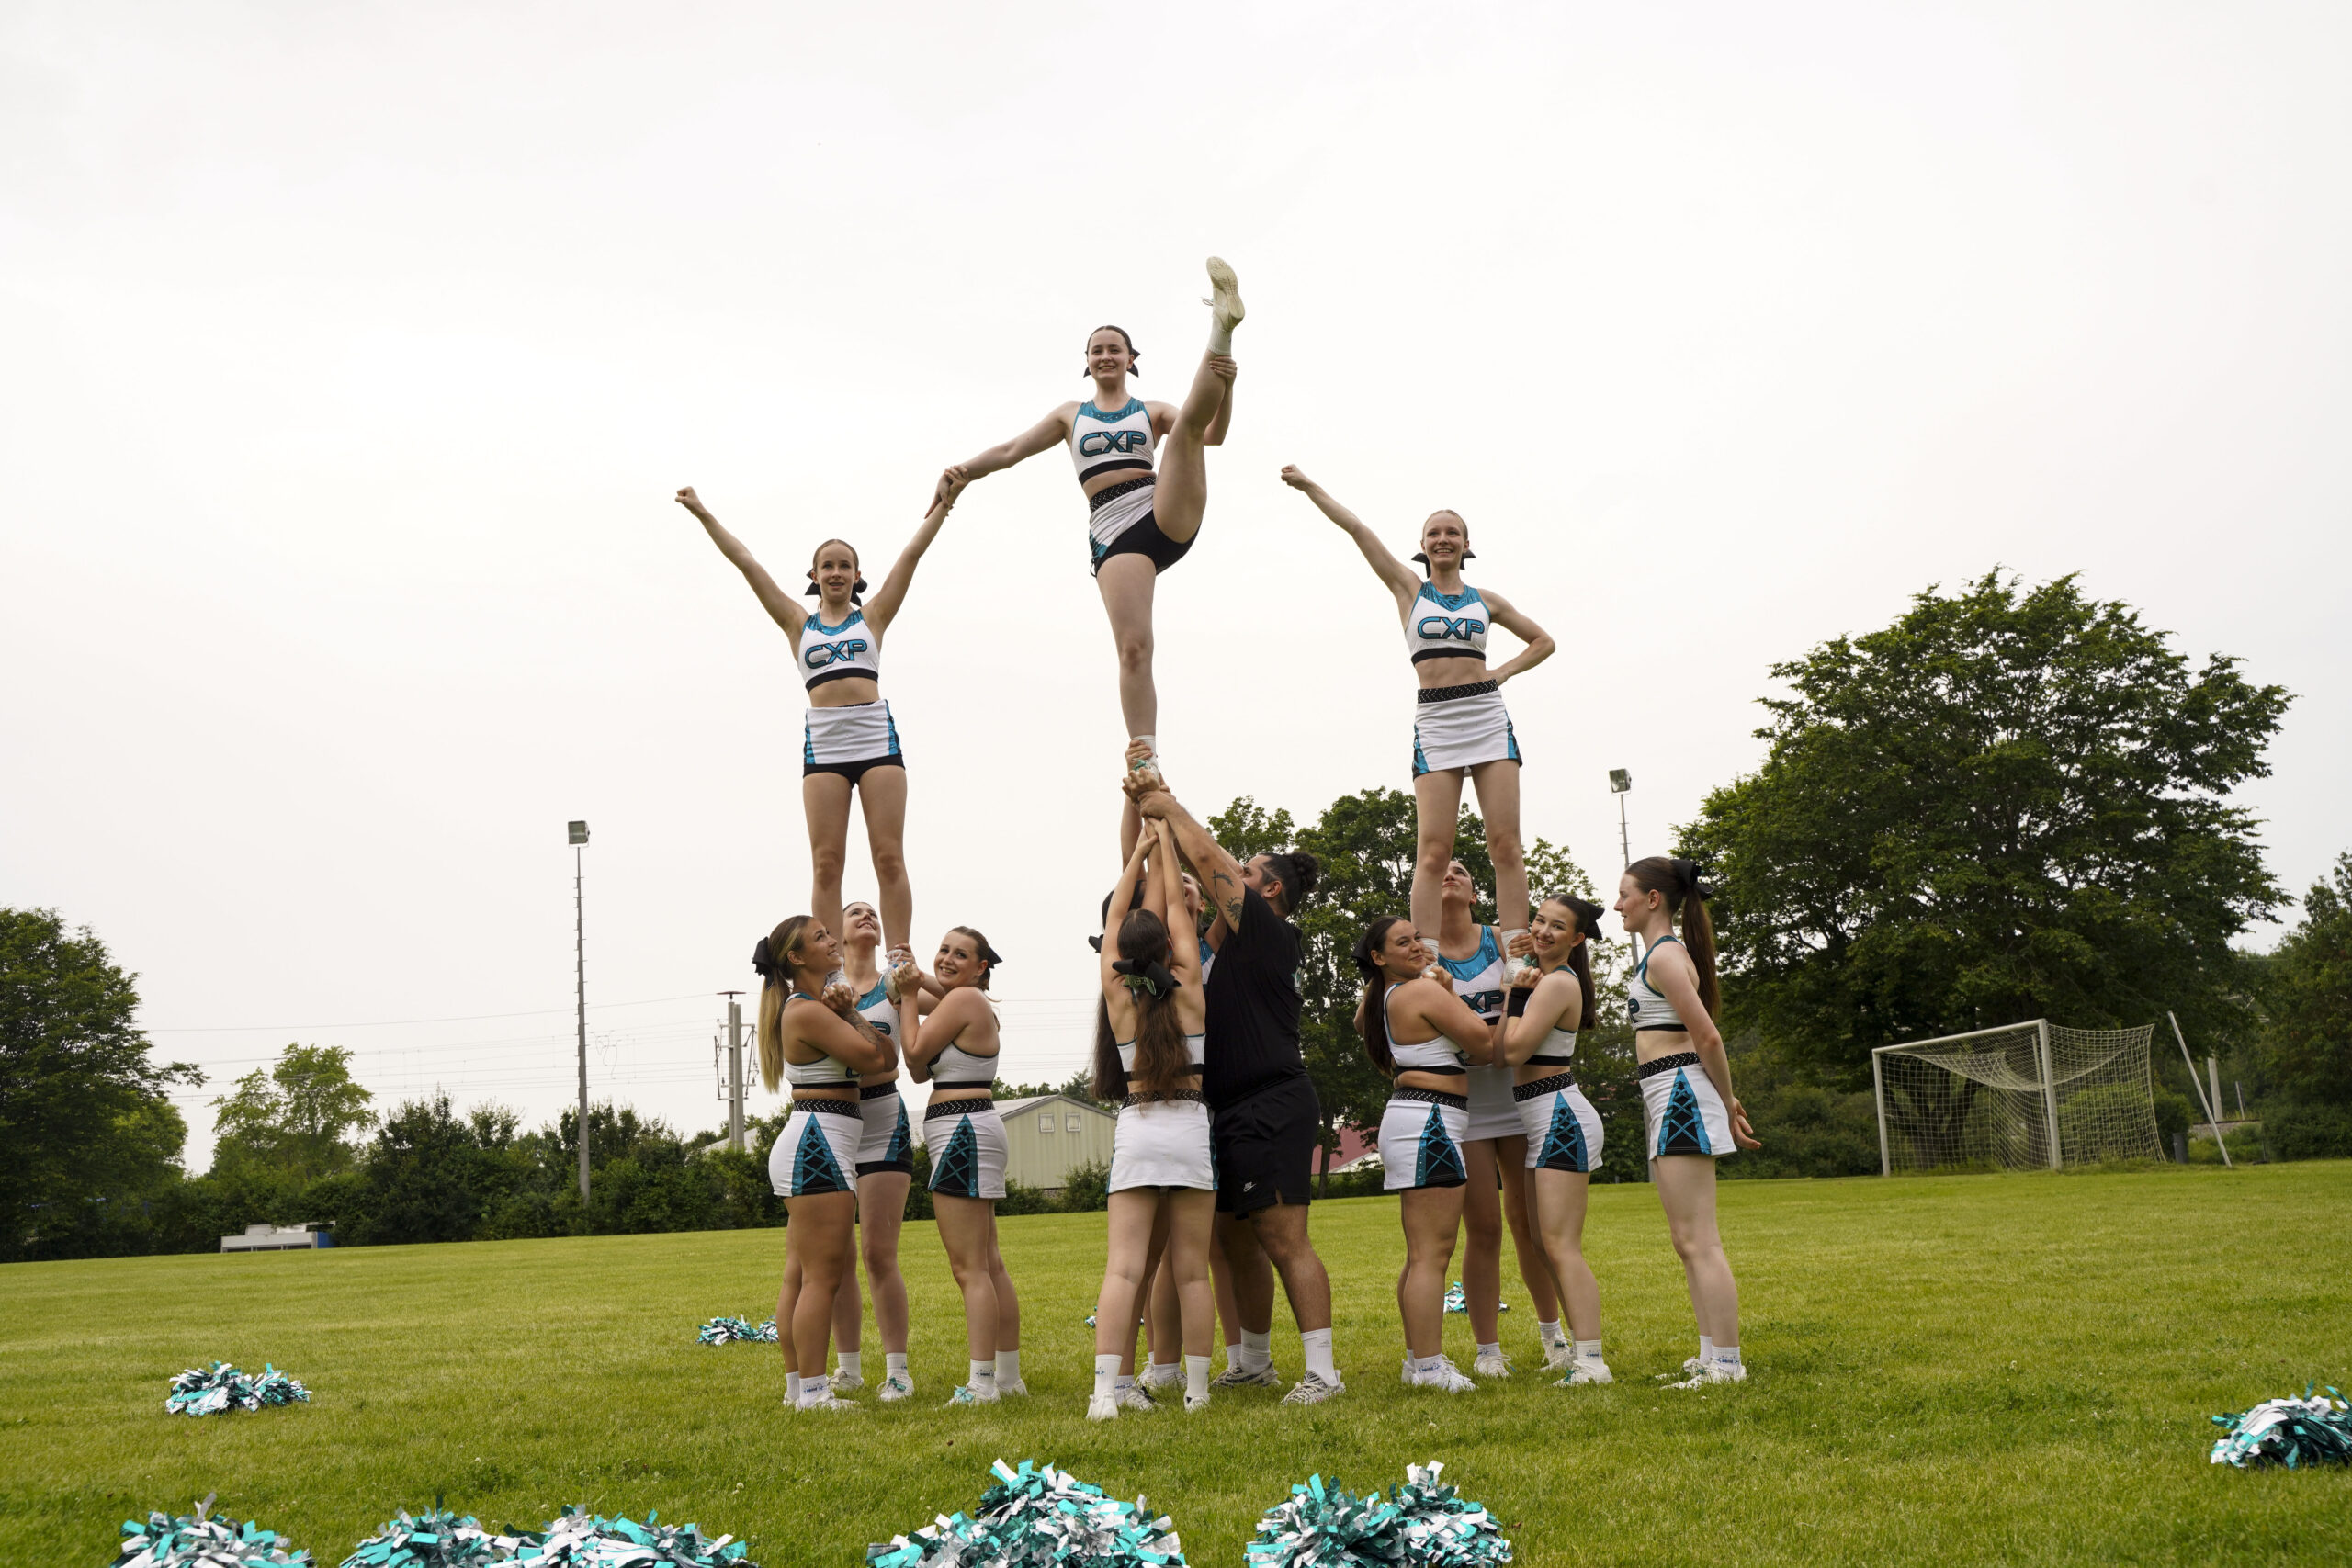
851 771
1143 537
1264 1147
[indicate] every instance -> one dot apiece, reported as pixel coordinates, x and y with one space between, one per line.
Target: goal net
2027 1096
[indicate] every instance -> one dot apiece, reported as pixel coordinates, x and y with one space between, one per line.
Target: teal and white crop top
1644 1005
1446 625
1437 1056
1103 443
1196 1051
1481 979
958 1069
825 653
823 1072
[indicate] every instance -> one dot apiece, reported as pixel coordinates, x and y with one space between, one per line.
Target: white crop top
1446 625
1557 1050
958 1069
1437 1056
1479 979
1644 1004
1196 1051
1103 443
824 1070
834 653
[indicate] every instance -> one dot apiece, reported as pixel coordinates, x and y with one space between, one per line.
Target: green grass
1960 1370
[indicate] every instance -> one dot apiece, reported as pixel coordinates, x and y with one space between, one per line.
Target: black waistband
1668 1063
1430 1096
830 1107
874 675
1108 493
1549 1062
875 1091
1453 694
1674 1028
1558 1083
977 1083
955 1107
1165 1097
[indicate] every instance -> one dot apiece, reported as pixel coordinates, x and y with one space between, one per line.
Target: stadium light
1621 783
576 834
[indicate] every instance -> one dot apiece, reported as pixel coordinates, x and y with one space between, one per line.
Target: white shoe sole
1225 292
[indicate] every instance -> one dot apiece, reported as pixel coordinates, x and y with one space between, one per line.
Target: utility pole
1621 783
578 833
734 1069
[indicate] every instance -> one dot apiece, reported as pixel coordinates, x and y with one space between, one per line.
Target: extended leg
1181 494
1497 786
1252 1272
882 1213
825 798
821 1245
1482 1254
1282 1232
966 1226
1433 1215
1518 1199
1559 1213
1125 583
1685 1186
883 792
1437 810
1008 1305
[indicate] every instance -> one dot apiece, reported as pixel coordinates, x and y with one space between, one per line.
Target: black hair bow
1423 559
1688 870
1153 976
856 592
764 961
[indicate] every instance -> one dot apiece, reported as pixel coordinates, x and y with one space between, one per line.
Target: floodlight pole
1621 783
579 837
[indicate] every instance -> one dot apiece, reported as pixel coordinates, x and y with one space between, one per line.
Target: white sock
1588 1349
1220 335
1196 1377
1726 1355
1106 1375
1424 1363
1487 1350
792 1387
1157 1366
1124 1381
1318 1343
1008 1367
1233 1358
894 1363
1706 1348
1549 1333
1257 1350
1151 742
983 1377
815 1393
854 1363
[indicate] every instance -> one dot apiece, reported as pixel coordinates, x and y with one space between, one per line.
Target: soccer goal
2025 1097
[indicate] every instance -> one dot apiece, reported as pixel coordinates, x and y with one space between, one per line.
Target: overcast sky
351 354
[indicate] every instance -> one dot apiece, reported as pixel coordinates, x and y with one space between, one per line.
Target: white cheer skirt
1563 1129
965 1138
884 1142
1162 1143
862 732
1681 1110
817 1151
1463 726
1420 1140
1492 1112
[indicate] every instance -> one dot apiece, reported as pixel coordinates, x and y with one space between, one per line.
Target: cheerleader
955 1053
1549 1004
1161 1173
849 743
1495 1146
1461 725
1406 995
1691 1117
1141 522
819 1047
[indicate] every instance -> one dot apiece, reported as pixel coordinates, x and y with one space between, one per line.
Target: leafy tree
2307 997
87 1133
2010 804
295 1116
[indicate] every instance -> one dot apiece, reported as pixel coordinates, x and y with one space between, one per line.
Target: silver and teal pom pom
2297 1433
729 1330
199 1540
436 1539
196 1393
581 1539
1457 1302
1038 1516
1423 1523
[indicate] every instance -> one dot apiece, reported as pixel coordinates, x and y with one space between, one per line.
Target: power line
397 1022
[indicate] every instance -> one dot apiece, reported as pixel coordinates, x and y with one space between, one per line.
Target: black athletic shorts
1264 1147
1141 537
853 771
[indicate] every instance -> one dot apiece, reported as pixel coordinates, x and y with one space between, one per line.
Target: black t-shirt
1253 1006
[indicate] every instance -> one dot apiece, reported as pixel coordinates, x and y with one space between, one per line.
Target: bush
2304 1131
1086 1189
2174 1115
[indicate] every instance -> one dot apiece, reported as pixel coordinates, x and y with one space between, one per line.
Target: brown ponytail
1678 880
774 960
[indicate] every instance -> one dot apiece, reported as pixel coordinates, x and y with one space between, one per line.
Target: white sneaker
825 1400
1717 1371
1237 1376
1312 1389
1691 1367
1132 1397
1225 298
1405 1372
846 1382
1196 1401
895 1387
1158 1375
1492 1364
1103 1407
964 1395
1005 1389
1444 1375
1557 1357
1582 1372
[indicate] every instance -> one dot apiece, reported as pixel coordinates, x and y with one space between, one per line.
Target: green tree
87 1136
297 1116
2010 804
2307 997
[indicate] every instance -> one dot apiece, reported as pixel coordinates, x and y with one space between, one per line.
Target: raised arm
1220 873
1050 431
781 606
884 605
1183 944
1540 646
1396 574
1115 913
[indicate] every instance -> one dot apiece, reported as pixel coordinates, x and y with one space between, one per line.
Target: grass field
1943 1371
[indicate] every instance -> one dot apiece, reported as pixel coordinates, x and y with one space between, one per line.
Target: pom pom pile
1456 1301
1038 1516
198 1540
2292 1432
436 1540
1421 1522
727 1330
591 1540
224 1387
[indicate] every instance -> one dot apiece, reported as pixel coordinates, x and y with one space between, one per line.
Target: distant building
280 1238
1047 1136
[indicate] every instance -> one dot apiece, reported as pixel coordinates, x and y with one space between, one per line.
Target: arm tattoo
1229 898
